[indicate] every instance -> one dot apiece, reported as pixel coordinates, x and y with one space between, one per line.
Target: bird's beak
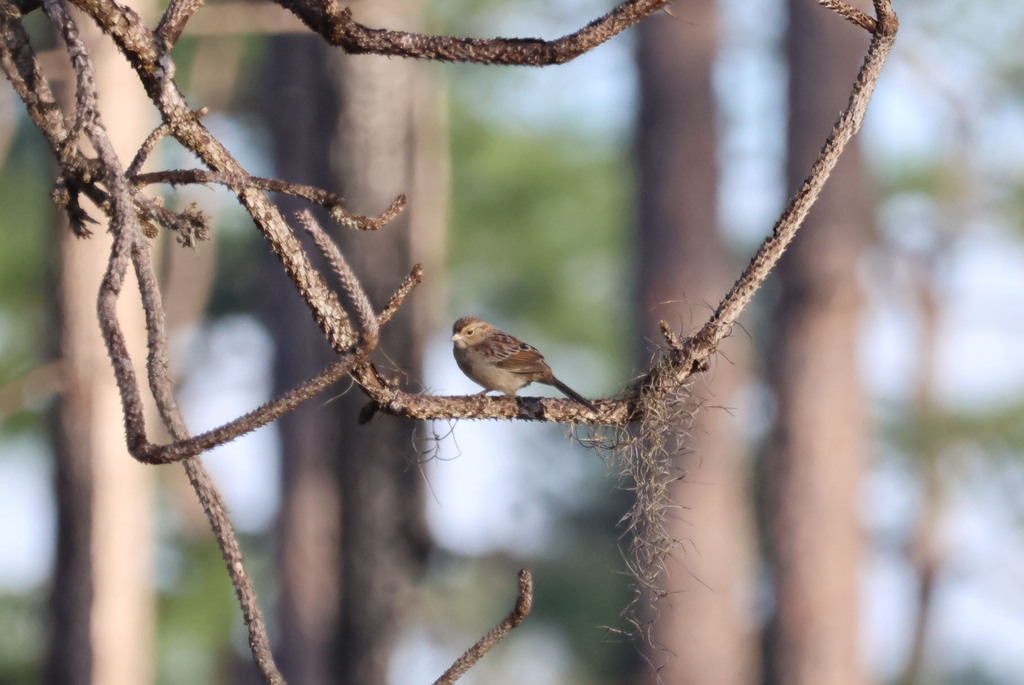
457 337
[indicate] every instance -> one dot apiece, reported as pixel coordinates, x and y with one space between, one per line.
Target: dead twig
175 17
414 278
851 14
369 327
117 192
338 27
129 242
162 386
524 602
329 201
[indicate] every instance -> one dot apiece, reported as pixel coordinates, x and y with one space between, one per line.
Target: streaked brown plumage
498 361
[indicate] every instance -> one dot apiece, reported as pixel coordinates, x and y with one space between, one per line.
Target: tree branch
329 201
338 27
369 327
173 22
851 14
524 602
679 364
117 194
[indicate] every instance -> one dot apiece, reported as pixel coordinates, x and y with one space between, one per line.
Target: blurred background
850 511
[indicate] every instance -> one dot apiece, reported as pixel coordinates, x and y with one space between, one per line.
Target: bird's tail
573 395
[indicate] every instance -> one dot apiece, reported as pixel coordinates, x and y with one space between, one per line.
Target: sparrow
499 361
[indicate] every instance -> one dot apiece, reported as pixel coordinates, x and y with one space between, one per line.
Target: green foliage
21 645
540 241
241 256
993 433
586 594
198 615
27 226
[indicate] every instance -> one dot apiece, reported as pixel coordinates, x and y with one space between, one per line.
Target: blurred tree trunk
301 118
704 632
814 465
69 657
383 529
103 602
351 527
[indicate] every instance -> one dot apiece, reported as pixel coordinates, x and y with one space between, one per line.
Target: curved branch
147 51
696 350
161 385
329 201
683 358
22 69
338 27
524 602
129 242
155 70
150 453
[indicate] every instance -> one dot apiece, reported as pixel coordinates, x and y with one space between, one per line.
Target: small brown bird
498 361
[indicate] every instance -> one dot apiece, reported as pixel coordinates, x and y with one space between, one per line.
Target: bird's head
469 330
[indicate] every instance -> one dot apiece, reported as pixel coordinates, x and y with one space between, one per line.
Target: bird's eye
470 332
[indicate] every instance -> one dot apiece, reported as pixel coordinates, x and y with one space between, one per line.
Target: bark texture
301 116
383 531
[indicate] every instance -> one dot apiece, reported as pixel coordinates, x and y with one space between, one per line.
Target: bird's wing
519 357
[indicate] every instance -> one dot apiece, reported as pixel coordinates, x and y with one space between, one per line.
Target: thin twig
155 70
333 203
670 335
123 224
414 278
369 328
851 14
146 149
150 453
191 225
367 223
21 66
173 22
161 385
524 602
128 238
